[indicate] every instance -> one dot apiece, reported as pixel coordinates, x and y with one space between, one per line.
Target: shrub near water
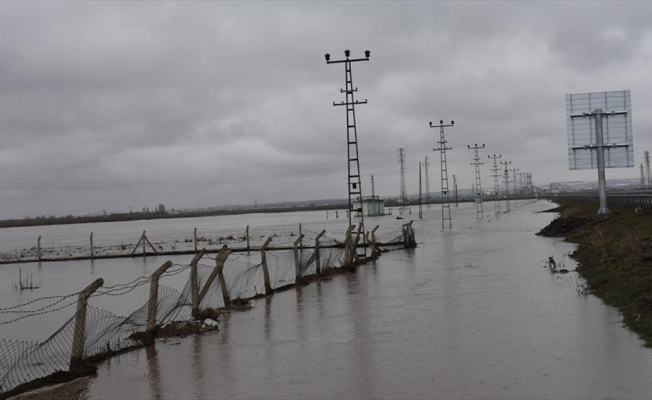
615 256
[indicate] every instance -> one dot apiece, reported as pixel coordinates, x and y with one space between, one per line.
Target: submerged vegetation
614 255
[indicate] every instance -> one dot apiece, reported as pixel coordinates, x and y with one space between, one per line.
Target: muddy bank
614 254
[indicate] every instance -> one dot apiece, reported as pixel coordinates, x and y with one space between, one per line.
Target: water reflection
153 372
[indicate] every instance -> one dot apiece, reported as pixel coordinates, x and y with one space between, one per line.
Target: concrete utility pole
401 162
353 163
455 188
420 199
479 212
506 181
599 146
445 198
496 175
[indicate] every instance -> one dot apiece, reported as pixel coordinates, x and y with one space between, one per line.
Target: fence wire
105 332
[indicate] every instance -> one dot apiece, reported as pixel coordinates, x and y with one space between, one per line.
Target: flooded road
467 314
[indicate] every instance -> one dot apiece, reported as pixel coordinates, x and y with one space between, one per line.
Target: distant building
161 209
373 207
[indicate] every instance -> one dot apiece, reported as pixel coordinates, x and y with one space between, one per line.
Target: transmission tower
496 175
479 212
445 198
420 200
514 171
373 188
353 164
455 188
426 165
642 177
506 181
647 170
401 161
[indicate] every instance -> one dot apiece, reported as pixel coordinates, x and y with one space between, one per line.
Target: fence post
297 260
263 259
79 336
194 283
248 248
194 236
317 255
372 243
143 240
92 250
152 308
347 248
300 237
357 240
38 248
220 259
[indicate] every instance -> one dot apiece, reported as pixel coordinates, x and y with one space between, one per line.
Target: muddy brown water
472 314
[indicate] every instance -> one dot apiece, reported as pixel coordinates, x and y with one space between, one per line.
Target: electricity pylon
495 176
479 211
445 198
506 181
403 198
353 156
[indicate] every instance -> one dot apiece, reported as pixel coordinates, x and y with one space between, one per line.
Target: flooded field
471 313
467 314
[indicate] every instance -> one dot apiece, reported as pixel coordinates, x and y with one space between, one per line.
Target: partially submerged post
143 239
92 249
263 259
38 249
372 242
152 308
348 248
317 255
247 236
194 283
218 271
194 236
297 261
79 336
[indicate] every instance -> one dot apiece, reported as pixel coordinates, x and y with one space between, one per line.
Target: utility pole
496 175
506 181
445 198
642 177
401 161
455 188
420 200
647 170
373 189
479 212
426 165
353 163
514 171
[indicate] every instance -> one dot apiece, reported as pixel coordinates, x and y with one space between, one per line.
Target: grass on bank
615 256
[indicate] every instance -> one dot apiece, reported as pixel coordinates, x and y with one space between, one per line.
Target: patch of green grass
615 258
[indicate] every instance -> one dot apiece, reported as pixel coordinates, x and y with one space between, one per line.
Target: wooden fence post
152 308
194 283
347 248
79 336
263 259
248 248
372 243
38 248
300 237
92 249
317 255
297 261
218 271
194 235
143 240
357 240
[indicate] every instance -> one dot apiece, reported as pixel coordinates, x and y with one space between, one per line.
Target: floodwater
470 313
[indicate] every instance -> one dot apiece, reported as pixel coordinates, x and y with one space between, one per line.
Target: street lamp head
347 53
367 53
328 57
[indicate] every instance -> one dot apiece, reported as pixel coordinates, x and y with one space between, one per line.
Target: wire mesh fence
93 332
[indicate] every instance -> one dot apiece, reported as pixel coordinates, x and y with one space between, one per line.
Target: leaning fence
93 333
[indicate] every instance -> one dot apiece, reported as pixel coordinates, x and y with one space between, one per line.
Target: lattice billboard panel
616 129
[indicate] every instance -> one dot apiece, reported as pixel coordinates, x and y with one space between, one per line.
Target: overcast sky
112 105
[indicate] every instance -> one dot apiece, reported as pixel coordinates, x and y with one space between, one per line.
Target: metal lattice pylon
496 176
353 156
445 196
506 181
477 193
